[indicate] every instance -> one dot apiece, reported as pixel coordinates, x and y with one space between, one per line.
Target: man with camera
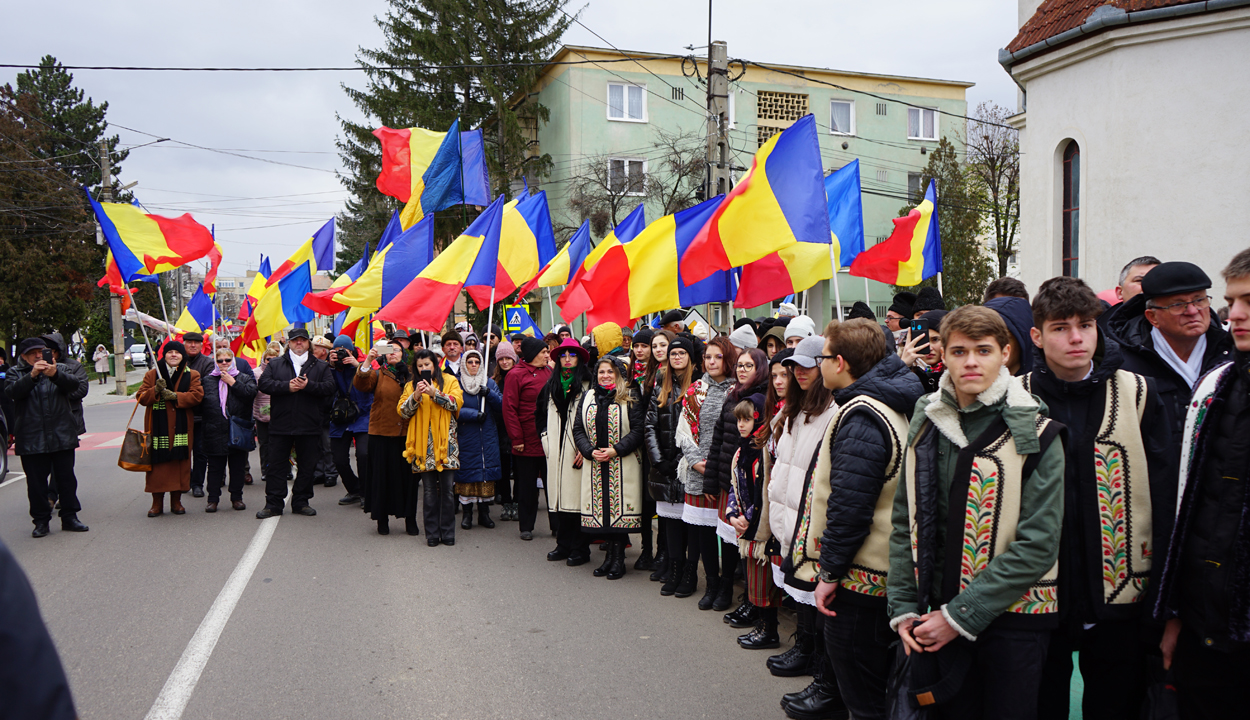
298 385
326 472
46 431
349 421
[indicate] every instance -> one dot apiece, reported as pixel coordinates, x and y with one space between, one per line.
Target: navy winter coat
343 380
215 426
478 435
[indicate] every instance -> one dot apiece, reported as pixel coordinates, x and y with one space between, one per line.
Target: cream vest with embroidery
991 516
867 572
1124 508
623 486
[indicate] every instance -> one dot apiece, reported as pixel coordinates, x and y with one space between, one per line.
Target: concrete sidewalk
98 394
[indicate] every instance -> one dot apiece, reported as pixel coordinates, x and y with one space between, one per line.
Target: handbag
242 434
345 411
136 452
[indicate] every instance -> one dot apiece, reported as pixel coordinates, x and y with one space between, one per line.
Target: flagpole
866 292
490 309
164 313
551 308
837 288
940 286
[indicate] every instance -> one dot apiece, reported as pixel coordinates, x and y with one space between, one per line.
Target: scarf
473 384
1190 369
222 388
167 445
566 379
608 388
431 424
297 361
640 370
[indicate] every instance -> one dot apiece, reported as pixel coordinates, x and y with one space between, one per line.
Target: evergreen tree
402 90
967 267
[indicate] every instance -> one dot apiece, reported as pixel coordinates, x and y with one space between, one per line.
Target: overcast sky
290 117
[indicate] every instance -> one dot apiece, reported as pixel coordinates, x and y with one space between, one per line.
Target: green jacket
1036 546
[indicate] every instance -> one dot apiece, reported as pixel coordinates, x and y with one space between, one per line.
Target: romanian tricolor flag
257 289
429 171
144 244
564 265
846 212
387 274
113 280
640 276
790 270
389 233
319 302
198 315
317 252
526 244
912 253
471 259
280 306
779 202
214 262
575 299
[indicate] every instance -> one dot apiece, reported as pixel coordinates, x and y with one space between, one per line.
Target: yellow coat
431 444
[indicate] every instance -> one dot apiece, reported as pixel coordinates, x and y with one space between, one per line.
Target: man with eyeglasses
1166 333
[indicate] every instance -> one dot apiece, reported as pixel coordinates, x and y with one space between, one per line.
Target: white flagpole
490 310
551 308
940 286
837 291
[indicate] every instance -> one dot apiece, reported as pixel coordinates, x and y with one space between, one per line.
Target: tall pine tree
478 51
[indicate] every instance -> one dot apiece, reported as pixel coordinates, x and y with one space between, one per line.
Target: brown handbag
136 454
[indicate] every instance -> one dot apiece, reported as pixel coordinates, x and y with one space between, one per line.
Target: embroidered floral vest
868 570
990 514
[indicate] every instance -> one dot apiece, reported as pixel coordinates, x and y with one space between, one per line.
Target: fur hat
861 310
903 304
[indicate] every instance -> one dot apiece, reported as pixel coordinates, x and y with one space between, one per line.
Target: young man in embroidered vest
1118 504
1205 586
841 547
976 529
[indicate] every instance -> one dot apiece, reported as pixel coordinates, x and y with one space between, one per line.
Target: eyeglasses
746 366
472 361
821 358
1179 308
567 353
224 360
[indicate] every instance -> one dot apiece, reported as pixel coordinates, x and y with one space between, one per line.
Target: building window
842 117
627 176
627 102
915 191
1071 210
921 124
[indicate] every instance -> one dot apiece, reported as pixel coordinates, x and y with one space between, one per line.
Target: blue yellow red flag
846 212
912 253
526 244
576 299
561 269
388 273
317 251
145 244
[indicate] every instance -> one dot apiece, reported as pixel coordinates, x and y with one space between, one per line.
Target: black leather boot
825 701
725 597
645 561
70 523
761 638
608 557
675 569
710 593
744 616
483 516
659 566
41 530
466 521
798 659
689 580
410 526
616 570
813 688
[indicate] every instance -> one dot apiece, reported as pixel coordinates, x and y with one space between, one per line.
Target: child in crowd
745 511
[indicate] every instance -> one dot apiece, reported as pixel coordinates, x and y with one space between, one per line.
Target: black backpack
344 411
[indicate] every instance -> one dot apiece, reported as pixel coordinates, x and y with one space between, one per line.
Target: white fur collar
945 417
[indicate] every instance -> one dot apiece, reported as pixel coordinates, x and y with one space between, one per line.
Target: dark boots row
483 516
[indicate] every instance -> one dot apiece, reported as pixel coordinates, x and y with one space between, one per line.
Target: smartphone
920 328
427 376
384 350
47 355
303 371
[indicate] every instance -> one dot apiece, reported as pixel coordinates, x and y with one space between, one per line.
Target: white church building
1132 119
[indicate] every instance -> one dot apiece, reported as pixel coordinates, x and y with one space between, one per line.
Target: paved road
338 622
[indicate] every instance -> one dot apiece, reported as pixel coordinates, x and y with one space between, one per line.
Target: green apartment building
608 121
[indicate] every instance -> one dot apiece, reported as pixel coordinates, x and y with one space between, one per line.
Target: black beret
861 310
903 303
672 316
1173 278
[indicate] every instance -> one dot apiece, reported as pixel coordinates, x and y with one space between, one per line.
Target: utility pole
115 302
718 132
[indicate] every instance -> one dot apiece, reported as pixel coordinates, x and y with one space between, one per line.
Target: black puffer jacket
720 461
43 409
1131 328
297 413
662 480
215 426
204 365
861 452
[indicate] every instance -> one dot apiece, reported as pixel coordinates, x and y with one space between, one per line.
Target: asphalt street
339 622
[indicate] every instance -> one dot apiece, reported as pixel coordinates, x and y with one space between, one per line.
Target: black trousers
648 513
528 470
503 488
859 644
262 442
1113 666
569 535
675 537
59 465
307 453
199 460
439 504
1210 683
325 471
353 482
704 543
1004 679
237 462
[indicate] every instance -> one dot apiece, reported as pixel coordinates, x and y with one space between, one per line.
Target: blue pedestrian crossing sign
517 320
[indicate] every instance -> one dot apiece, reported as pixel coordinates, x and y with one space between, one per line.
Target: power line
354 68
225 152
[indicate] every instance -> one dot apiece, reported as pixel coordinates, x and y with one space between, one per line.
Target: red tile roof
1057 16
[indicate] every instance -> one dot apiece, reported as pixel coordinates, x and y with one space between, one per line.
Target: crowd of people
952 504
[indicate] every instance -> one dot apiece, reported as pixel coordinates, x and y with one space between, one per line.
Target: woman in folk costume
607 431
479 440
430 403
696 431
392 488
556 405
101 359
664 481
170 394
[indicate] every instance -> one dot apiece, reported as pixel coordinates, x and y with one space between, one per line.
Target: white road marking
15 478
174 697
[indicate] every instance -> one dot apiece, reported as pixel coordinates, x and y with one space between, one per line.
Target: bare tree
994 158
605 188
